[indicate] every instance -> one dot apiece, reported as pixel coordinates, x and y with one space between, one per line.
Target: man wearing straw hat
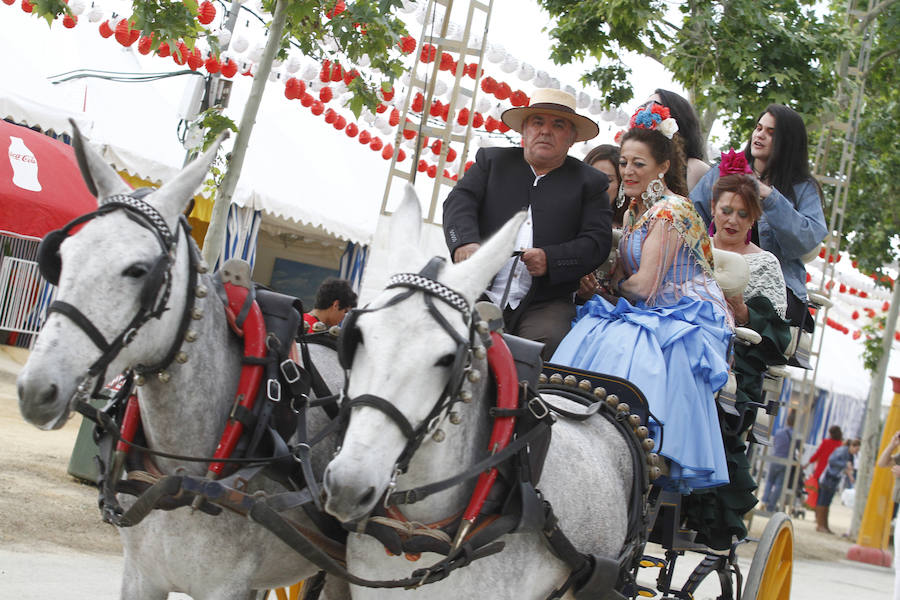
568 230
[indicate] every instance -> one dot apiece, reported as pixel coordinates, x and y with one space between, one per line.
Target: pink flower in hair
734 163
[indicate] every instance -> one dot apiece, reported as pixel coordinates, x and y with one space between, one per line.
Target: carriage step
652 561
645 592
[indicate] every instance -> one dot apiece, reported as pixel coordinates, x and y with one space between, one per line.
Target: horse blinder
348 339
49 262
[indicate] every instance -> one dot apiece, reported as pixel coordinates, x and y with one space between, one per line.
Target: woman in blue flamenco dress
662 323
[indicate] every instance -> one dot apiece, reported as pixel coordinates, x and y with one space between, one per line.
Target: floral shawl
684 218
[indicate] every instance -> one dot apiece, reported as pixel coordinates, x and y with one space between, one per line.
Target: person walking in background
840 462
781 448
889 459
820 457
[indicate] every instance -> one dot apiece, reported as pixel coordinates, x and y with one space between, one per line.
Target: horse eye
136 271
445 361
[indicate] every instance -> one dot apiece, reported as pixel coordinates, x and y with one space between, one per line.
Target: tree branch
869 16
882 56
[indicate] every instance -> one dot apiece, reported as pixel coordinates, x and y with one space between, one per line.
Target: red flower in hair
733 163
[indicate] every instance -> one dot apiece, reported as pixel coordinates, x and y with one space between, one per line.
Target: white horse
404 356
104 269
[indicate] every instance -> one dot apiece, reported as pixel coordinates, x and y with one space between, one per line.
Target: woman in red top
820 457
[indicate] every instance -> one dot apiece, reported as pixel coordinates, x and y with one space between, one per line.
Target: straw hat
554 102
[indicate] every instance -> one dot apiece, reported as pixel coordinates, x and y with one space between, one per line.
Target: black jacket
569 205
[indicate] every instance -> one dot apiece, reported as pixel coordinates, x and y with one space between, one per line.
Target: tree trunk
215 235
868 452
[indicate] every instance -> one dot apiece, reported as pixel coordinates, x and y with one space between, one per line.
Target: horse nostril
368 496
47 395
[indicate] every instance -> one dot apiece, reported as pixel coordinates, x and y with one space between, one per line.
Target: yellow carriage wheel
288 593
770 572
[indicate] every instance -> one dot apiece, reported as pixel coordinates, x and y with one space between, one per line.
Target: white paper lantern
622 118
274 75
569 90
77 7
525 72
379 122
310 71
583 100
541 79
224 37
420 15
458 129
440 88
364 61
408 6
240 44
482 105
256 54
345 99
293 64
367 116
509 64
95 15
596 107
315 84
338 88
193 137
496 53
553 83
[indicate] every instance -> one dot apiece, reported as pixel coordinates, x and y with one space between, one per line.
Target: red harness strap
503 367
254 334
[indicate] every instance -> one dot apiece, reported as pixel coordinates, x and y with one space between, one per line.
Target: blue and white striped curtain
353 262
241 233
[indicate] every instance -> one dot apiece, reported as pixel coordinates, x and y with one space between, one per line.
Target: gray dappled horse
109 270
405 356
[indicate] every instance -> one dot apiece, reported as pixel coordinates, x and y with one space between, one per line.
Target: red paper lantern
394 118
330 116
855 315
350 76
387 152
854 263
339 7
325 94
9 2
886 306
445 111
432 171
409 132
462 117
870 312
446 173
317 108
27 6
163 50
179 54
351 130
195 59
436 147
842 288
376 143
293 88
401 155
822 252
897 336
863 294
337 72
857 334
502 127
428 53
407 44
488 85
446 61
105 29
381 108
451 155
471 70
70 21
830 284
213 65
422 166
325 73
364 137
519 98
123 33
340 122
477 120
491 124
206 12
469 165
418 102
503 91
229 69
144 44
388 95
852 291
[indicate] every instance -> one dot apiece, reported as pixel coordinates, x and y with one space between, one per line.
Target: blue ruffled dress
674 351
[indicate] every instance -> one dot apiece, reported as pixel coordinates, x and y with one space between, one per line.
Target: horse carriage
436 446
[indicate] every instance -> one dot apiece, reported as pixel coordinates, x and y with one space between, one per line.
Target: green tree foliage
734 56
315 27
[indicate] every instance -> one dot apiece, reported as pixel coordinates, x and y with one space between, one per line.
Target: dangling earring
655 190
620 197
712 228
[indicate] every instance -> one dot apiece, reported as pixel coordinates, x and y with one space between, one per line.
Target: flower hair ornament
734 163
655 117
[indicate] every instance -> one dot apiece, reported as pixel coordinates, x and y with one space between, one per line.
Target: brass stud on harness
570 380
473 376
653 459
600 392
202 267
181 357
439 435
648 444
164 376
642 432
542 378
334 331
654 473
623 407
190 335
139 380
319 327
482 327
196 313
585 385
201 291
479 352
454 418
556 379
612 400
465 396
634 420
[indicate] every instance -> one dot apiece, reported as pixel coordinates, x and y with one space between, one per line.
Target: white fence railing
24 296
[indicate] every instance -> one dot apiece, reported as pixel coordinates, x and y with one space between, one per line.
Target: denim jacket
788 229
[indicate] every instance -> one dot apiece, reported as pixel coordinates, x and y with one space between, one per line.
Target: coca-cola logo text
27 158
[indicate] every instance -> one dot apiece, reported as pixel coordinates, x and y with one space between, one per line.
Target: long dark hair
688 123
611 153
788 163
663 149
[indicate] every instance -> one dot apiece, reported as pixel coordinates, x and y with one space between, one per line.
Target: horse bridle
424 281
154 294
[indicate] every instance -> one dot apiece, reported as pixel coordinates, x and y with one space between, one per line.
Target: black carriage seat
626 391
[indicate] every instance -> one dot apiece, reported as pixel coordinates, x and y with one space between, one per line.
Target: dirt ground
45 509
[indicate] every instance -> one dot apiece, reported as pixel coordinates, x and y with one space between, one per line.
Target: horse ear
472 276
173 197
101 179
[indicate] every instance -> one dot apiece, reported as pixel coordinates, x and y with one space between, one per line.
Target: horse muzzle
349 496
41 403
